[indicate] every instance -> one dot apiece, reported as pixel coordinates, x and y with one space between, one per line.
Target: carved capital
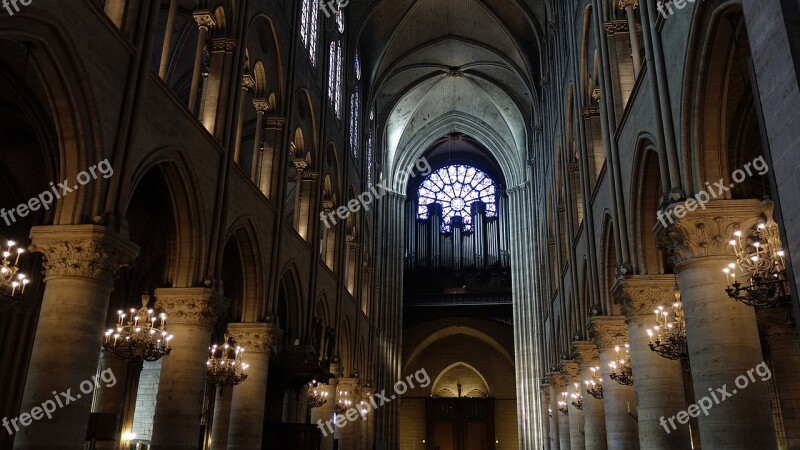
248 83
597 95
608 331
640 295
570 370
89 251
585 352
261 105
254 337
703 232
557 380
204 19
275 123
590 111
191 306
613 27
219 44
347 384
628 3
300 164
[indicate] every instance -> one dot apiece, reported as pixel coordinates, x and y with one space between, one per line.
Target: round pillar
722 333
618 400
191 313
247 405
80 264
659 386
594 416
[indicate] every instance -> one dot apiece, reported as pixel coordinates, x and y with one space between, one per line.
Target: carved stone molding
585 352
590 111
608 331
640 295
350 385
191 306
704 232
89 251
275 122
248 83
613 27
254 337
219 44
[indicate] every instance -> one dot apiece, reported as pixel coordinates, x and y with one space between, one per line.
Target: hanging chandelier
562 404
625 374
140 335
577 398
12 281
342 404
316 396
668 337
760 261
594 387
225 365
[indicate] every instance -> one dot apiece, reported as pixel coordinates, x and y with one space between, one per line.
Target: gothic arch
647 191
243 234
187 208
417 348
289 307
433 386
72 105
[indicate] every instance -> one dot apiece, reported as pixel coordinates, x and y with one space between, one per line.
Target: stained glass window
340 20
456 188
355 118
309 17
335 77
369 161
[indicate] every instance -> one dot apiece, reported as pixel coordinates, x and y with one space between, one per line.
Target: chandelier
12 281
625 375
668 337
316 396
139 336
225 365
594 386
562 404
760 260
577 398
343 404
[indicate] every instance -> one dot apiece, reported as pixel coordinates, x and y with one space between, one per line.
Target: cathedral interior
399 224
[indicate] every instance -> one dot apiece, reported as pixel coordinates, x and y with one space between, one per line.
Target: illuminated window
309 23
335 77
369 161
357 65
456 188
355 117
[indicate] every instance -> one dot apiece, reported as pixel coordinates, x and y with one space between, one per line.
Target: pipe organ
476 241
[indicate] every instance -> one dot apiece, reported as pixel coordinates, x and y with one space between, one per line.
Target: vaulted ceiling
441 66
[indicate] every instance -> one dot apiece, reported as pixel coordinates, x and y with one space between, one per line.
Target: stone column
659 381
325 412
261 106
111 400
222 418
618 400
784 355
552 409
576 434
191 314
80 264
594 418
167 45
559 385
247 406
722 333
544 392
205 20
273 132
348 435
636 54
